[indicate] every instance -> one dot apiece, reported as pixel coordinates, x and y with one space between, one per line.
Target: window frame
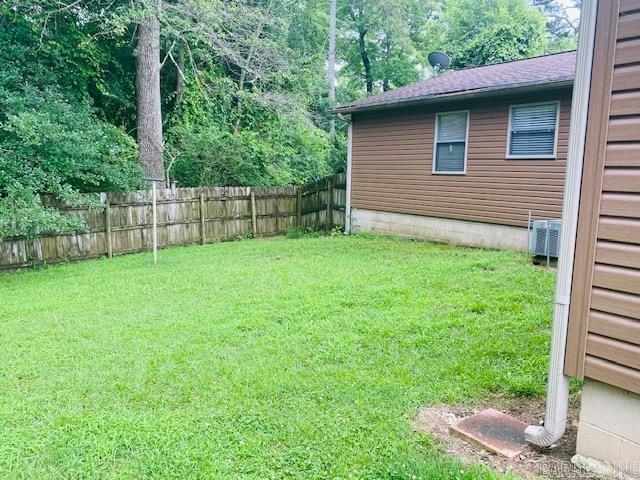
552 156
435 145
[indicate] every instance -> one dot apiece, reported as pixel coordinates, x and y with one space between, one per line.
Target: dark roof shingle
548 69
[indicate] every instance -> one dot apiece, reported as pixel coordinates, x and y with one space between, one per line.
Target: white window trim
553 156
435 145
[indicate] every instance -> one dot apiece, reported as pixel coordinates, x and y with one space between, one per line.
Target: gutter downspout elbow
555 421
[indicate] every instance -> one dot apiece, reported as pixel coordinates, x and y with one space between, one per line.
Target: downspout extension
555 421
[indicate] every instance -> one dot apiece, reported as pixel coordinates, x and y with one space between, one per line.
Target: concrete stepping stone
494 431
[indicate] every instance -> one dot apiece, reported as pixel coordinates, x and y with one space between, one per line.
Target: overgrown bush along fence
185 215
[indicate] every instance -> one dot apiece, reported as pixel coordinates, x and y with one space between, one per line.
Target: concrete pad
494 431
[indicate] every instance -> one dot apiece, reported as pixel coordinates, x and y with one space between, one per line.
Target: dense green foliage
52 140
493 31
243 84
386 44
265 359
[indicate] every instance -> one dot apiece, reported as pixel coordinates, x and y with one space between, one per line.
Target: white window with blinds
450 145
533 130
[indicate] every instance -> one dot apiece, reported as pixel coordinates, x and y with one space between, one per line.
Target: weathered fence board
185 215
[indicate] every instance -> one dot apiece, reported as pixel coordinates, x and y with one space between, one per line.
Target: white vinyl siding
533 130
450 149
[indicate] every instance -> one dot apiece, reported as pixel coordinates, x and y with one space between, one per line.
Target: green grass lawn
265 359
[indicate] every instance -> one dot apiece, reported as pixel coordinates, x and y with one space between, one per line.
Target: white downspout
558 383
347 203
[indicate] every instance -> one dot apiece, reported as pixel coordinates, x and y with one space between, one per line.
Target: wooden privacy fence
185 215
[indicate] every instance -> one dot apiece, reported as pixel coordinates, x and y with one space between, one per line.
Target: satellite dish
439 60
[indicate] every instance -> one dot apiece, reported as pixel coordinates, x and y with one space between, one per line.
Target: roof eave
463 95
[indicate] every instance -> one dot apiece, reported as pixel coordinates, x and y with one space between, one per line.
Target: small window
450 149
532 131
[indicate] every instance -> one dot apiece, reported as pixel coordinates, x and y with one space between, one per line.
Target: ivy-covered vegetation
244 89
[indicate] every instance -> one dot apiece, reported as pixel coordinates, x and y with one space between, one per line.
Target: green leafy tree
51 147
480 32
242 95
52 141
562 28
385 43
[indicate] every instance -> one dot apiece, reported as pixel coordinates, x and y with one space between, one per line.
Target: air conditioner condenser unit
545 238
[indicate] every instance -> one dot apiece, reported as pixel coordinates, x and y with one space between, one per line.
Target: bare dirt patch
532 463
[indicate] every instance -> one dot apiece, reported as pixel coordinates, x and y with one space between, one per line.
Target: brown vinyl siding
392 155
604 317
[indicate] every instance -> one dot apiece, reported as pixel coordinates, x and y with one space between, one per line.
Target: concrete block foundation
459 232
609 428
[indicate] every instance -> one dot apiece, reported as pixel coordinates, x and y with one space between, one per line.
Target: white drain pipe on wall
347 203
555 421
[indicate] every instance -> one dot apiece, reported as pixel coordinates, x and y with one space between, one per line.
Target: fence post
276 207
318 206
107 228
329 203
298 206
254 224
202 223
225 222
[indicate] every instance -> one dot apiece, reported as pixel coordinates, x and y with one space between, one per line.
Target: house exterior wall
604 315
603 338
392 161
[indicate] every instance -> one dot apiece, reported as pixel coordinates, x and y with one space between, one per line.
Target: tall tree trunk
149 115
387 54
366 63
331 67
